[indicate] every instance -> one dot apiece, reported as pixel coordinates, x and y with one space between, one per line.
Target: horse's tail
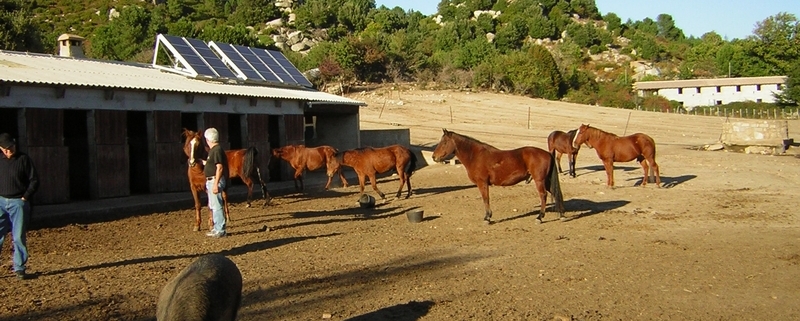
411 166
553 185
250 166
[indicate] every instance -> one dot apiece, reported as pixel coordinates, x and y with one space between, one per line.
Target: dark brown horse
242 163
487 165
369 161
303 158
612 148
561 142
197 179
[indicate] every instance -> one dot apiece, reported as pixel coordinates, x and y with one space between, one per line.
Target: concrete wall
709 96
339 131
755 132
385 137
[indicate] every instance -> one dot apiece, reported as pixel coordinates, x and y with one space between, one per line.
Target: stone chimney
70 46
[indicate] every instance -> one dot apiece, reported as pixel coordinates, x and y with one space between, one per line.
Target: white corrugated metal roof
20 67
743 81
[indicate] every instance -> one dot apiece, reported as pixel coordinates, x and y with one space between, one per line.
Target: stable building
100 129
711 92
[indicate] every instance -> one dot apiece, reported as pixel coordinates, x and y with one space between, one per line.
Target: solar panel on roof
290 68
272 65
242 69
210 58
222 60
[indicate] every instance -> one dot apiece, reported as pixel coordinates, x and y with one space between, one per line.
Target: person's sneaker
216 234
22 275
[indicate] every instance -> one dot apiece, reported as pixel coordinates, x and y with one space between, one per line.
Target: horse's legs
408 182
264 192
298 176
654 169
558 161
483 187
572 157
341 176
249 183
197 207
646 169
609 165
403 178
374 183
225 206
328 184
361 178
542 197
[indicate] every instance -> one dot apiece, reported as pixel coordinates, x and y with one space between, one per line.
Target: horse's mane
594 132
474 141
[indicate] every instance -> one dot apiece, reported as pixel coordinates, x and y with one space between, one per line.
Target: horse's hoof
563 218
538 221
487 222
197 229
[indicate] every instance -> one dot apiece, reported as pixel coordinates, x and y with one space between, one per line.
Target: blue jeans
14 216
215 204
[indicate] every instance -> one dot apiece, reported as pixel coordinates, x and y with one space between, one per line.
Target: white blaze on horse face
575 139
191 148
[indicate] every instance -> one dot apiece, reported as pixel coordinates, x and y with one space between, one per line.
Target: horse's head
445 148
581 136
334 163
191 145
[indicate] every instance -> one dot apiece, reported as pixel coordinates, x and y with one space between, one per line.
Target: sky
729 18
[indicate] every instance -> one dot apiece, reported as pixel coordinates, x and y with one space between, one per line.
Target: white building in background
710 92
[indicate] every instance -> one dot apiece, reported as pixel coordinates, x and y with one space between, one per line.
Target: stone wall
751 132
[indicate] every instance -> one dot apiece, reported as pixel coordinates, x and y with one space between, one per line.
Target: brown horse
612 148
487 165
369 161
561 142
197 179
303 158
242 163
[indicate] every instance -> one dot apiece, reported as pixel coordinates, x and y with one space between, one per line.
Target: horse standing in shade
561 142
487 165
197 179
369 161
611 148
303 158
242 163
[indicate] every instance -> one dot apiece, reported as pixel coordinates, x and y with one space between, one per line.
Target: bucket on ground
414 216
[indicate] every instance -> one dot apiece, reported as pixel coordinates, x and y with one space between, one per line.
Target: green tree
667 29
614 23
777 42
252 12
352 14
123 37
510 35
238 35
791 91
18 30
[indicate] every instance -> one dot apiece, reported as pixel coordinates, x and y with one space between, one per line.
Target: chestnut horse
303 158
561 142
369 161
612 148
197 179
487 165
242 163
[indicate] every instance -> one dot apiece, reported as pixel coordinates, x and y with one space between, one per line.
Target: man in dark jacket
18 182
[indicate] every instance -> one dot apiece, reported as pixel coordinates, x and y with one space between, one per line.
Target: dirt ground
720 241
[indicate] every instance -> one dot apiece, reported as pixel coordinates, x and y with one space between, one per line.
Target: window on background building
758 87
758 100
698 90
719 102
719 89
680 91
738 88
780 87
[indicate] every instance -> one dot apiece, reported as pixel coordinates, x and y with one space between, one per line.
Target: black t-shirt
216 156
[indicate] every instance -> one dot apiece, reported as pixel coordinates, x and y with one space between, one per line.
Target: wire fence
750 113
